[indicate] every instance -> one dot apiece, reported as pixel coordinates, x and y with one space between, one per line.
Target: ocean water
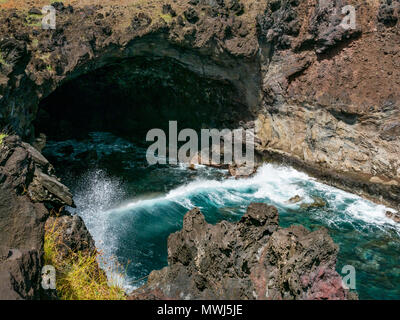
131 209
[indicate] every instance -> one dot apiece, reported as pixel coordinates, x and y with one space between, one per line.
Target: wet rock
199 158
295 199
250 259
395 216
242 170
318 203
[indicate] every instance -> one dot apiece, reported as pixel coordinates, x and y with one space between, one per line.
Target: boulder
395 216
27 171
242 170
318 203
21 221
251 259
295 199
45 188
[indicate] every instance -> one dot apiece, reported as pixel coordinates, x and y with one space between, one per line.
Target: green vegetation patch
2 136
79 276
166 17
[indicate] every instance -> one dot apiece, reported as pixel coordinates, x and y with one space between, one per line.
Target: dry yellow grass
23 4
79 277
153 8
2 136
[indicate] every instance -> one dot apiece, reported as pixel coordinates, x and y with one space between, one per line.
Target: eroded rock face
29 194
20 274
25 170
322 96
251 259
328 94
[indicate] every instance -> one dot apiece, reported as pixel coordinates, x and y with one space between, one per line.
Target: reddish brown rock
251 259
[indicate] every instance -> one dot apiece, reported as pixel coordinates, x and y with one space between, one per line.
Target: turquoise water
131 208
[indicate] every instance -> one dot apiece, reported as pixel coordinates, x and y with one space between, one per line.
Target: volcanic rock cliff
320 96
31 196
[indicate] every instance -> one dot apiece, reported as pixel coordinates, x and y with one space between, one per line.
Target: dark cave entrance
130 97
127 99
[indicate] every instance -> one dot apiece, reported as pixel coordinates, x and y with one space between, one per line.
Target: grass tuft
167 18
2 136
79 276
2 60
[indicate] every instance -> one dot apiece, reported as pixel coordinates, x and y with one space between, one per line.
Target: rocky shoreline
252 259
320 98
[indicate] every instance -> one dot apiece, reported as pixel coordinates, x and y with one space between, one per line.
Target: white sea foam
276 183
273 184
